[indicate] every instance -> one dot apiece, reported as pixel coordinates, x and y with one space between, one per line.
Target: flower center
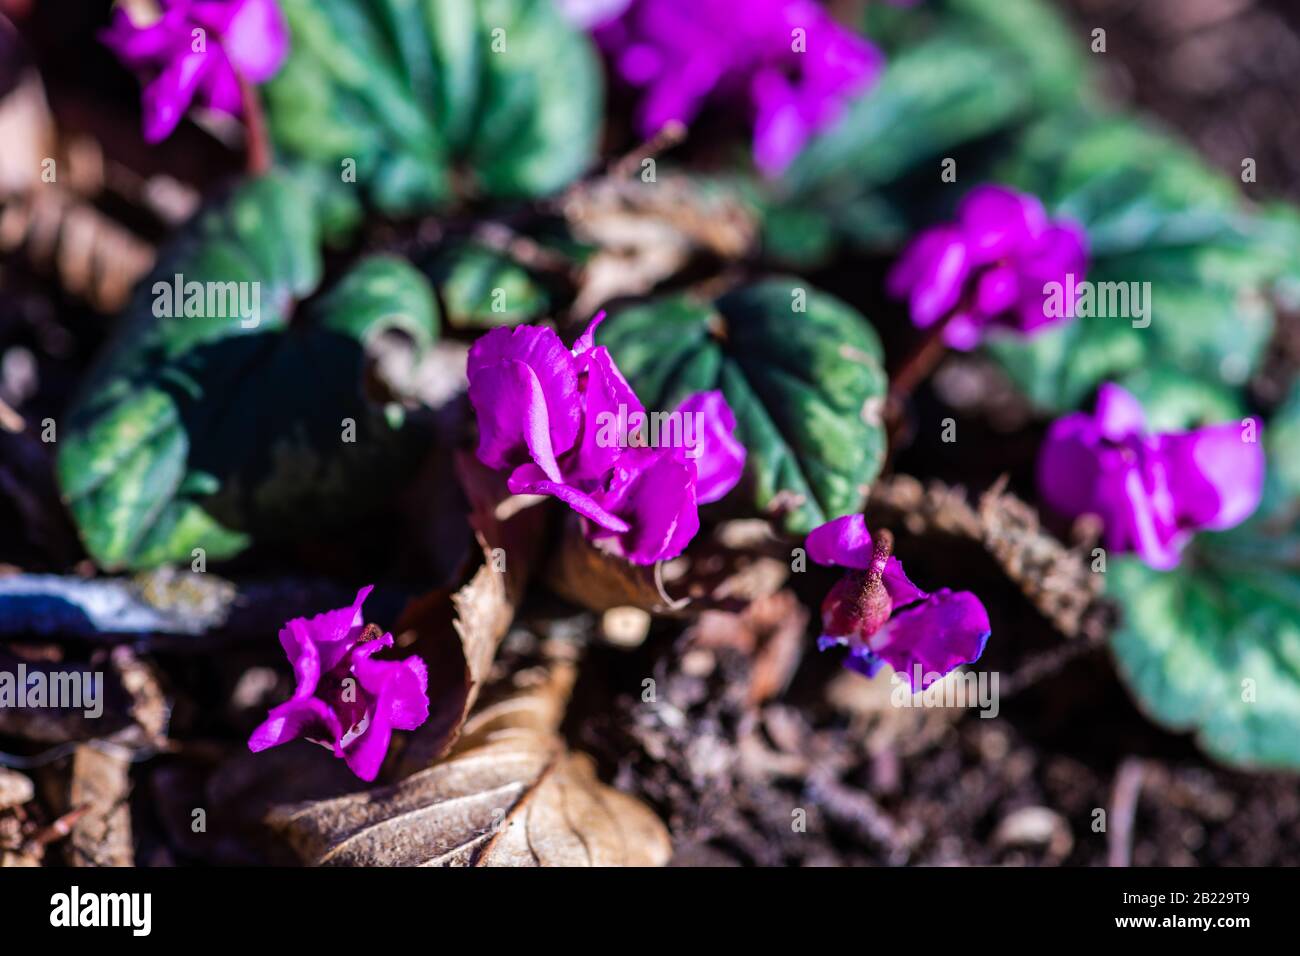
870 605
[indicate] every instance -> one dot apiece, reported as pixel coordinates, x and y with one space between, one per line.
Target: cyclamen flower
566 423
199 50
1151 491
794 65
345 698
883 618
990 267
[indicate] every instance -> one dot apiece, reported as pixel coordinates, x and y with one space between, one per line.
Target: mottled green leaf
212 427
483 287
434 98
1214 646
807 387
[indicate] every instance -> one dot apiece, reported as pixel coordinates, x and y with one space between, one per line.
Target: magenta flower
991 267
565 423
788 59
345 698
883 618
199 50
1151 491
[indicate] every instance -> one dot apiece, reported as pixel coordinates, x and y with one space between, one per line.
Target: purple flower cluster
199 50
566 423
990 267
344 698
788 59
1151 491
883 618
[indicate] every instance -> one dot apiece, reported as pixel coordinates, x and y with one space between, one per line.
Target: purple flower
345 698
883 618
1151 491
788 59
565 423
990 267
199 50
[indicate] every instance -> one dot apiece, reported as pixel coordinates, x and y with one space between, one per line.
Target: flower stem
259 147
922 360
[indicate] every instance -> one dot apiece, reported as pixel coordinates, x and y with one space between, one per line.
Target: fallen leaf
457 634
509 794
101 784
715 572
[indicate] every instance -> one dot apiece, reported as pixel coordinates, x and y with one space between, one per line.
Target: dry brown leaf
60 231
715 572
509 794
101 784
458 633
646 232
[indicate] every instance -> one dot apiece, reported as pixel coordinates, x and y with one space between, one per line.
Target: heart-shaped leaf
217 414
1214 646
1162 226
418 100
801 370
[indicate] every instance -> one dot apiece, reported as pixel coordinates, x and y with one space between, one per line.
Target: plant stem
922 360
259 147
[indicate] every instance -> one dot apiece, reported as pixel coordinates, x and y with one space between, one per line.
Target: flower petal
719 457
292 719
654 492
996 221
1216 475
946 630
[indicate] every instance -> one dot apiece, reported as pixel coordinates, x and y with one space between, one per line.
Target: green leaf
1154 214
483 287
1214 647
807 387
217 425
430 98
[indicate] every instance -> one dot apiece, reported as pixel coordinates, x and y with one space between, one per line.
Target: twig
10 420
1123 809
672 134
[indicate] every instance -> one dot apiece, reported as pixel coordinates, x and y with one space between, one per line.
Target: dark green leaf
807 387
207 430
424 94
482 287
